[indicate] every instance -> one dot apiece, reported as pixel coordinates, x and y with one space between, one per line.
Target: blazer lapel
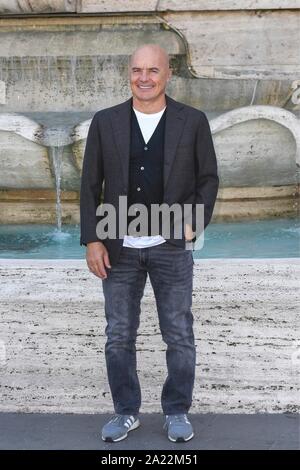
121 122
175 120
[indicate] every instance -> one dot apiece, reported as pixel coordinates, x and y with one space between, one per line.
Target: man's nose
144 75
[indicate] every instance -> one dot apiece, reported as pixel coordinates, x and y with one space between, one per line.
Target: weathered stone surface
2 92
89 72
37 212
256 203
246 326
251 154
95 76
241 44
249 144
37 6
227 4
235 203
106 6
24 164
90 42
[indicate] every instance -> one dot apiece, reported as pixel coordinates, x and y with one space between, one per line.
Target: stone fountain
57 71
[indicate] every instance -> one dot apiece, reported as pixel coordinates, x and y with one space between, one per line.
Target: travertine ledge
246 320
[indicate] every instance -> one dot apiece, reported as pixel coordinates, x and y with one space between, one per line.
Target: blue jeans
170 271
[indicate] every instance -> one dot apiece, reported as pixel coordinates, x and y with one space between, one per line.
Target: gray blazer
189 172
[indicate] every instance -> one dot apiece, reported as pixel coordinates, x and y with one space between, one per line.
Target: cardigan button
145 148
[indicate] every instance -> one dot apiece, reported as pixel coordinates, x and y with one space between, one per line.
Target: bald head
153 51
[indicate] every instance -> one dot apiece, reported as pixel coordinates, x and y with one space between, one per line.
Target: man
153 150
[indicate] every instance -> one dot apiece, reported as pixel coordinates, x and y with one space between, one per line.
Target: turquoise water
277 238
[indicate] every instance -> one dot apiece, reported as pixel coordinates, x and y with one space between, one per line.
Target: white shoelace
180 419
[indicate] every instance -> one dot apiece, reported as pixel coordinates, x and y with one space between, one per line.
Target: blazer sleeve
91 184
207 180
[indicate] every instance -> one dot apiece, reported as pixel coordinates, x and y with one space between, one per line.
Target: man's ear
170 74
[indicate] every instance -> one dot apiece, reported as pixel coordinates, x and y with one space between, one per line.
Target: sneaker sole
181 439
135 425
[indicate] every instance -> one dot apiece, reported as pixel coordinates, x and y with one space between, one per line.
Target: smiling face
149 73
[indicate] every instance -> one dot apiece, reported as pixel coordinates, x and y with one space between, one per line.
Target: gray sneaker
179 428
118 427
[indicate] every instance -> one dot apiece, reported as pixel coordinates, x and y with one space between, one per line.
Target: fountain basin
277 238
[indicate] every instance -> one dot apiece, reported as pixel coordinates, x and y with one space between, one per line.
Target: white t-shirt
147 123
